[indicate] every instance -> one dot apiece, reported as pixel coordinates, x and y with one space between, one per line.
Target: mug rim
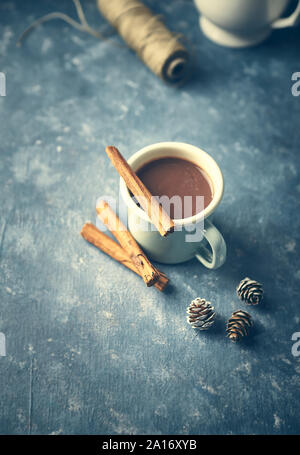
218 189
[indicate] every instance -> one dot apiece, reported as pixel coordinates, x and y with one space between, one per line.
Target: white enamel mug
242 23
180 246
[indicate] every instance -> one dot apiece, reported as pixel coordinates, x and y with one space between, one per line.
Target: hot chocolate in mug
242 23
194 236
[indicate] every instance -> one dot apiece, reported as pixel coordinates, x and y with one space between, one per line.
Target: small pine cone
201 314
238 325
250 291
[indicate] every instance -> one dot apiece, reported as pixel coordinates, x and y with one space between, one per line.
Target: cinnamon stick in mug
147 271
100 240
154 210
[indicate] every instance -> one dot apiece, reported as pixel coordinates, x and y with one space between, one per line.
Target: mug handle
214 256
288 21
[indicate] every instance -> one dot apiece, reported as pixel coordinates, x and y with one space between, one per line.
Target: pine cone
201 314
238 325
250 291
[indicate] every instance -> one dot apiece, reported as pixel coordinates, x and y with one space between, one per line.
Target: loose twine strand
160 49
83 25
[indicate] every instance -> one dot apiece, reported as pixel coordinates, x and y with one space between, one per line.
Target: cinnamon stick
155 211
100 240
147 271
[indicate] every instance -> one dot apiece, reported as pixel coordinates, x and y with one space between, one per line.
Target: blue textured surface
89 348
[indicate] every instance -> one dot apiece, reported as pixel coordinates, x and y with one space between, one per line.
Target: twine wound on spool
160 49
156 46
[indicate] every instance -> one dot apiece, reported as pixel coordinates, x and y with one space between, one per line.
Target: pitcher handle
290 21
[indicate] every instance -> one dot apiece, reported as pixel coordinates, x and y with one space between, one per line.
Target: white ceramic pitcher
242 23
